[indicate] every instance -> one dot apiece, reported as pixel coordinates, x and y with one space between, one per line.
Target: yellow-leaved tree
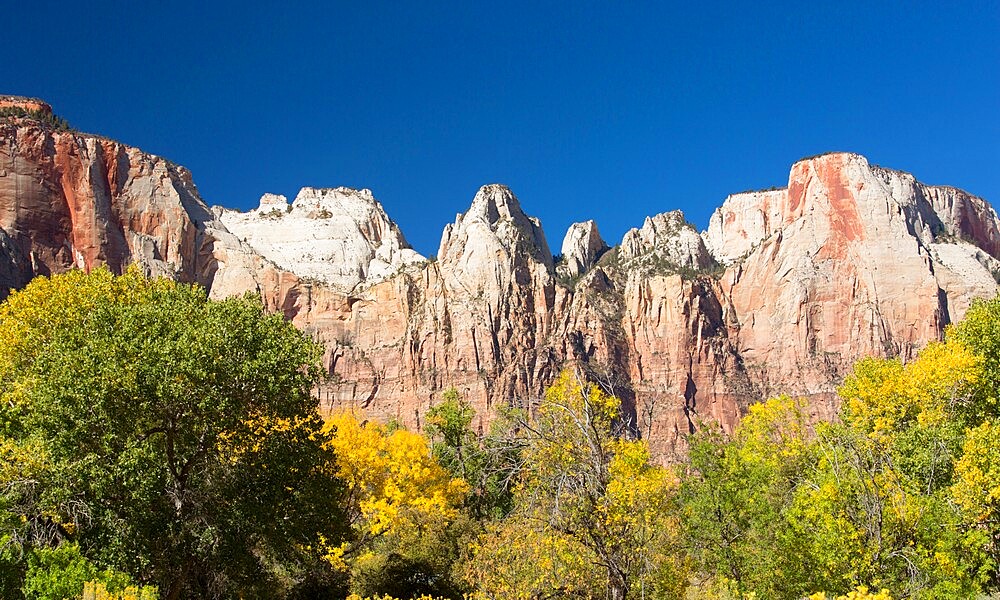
592 515
397 493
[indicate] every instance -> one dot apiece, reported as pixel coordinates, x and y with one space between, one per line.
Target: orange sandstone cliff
782 293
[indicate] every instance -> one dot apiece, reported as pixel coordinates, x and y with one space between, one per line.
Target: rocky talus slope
782 292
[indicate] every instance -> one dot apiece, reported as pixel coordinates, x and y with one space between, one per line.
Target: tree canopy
171 437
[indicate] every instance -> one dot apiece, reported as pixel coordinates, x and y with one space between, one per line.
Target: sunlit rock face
28 104
782 293
581 248
859 263
666 240
339 237
493 243
741 223
69 200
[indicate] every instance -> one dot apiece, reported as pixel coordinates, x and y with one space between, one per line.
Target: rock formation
859 263
741 223
340 237
26 104
581 248
782 293
664 241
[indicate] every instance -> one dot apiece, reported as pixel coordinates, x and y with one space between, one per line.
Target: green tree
173 437
980 332
490 464
867 501
734 494
63 572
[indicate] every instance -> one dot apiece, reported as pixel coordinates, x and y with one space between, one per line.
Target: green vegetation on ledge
49 119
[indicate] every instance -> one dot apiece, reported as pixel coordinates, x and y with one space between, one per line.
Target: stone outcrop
665 241
742 222
339 237
27 104
782 293
75 201
857 265
581 248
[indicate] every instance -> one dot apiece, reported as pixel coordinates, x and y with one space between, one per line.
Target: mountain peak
581 248
494 202
666 240
496 216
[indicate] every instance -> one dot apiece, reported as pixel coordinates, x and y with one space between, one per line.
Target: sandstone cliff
783 292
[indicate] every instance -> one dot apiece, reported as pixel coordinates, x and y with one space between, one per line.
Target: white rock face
494 243
581 248
665 240
269 203
340 236
742 222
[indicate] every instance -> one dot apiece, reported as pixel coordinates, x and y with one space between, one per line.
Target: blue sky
610 111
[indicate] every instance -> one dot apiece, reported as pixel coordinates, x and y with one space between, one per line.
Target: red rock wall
851 270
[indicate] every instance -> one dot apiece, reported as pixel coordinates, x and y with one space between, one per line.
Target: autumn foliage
156 444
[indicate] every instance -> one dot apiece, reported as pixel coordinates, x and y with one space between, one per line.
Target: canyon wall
782 293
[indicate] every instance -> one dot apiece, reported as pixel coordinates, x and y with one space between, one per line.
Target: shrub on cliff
47 118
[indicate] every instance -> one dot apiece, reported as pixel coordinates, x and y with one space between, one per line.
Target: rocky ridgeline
338 237
782 293
28 105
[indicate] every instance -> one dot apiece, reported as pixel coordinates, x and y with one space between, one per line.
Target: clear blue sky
611 111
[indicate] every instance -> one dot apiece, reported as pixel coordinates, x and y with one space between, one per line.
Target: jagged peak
665 240
583 230
494 202
496 207
669 222
659 227
581 248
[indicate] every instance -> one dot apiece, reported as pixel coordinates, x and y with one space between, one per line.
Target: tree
888 470
454 445
63 572
976 490
173 437
735 493
403 508
979 331
490 464
778 511
591 512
